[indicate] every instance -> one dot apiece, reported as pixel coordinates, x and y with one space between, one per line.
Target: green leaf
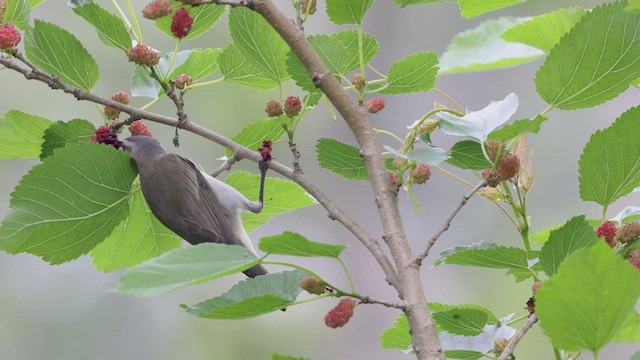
185 266
343 12
542 236
199 64
586 302
236 69
629 330
339 51
544 31
290 243
482 48
259 42
35 3
141 84
397 336
285 357
463 354
111 28
21 135
253 297
256 132
341 158
473 8
204 18
139 237
633 6
281 196
416 72
573 235
58 52
17 13
609 166
68 204
517 128
439 307
60 133
404 3
467 154
595 62
467 322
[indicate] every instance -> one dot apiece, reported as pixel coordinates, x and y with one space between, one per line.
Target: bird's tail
256 271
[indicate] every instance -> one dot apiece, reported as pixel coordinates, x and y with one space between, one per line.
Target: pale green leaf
204 18
111 28
259 42
416 72
517 128
633 6
22 135
290 243
17 13
285 357
256 132
404 3
199 64
141 84
347 11
185 266
467 154
464 354
609 166
588 300
482 48
629 330
58 52
544 31
61 133
573 235
473 8
341 158
595 62
35 3
281 196
485 255
542 236
235 68
139 237
461 321
431 155
68 204
253 297
397 336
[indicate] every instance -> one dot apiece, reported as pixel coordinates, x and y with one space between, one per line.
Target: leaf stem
446 96
173 60
380 131
203 84
134 18
346 271
126 20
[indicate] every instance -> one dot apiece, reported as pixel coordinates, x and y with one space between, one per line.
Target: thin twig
447 222
239 151
369 300
513 342
226 166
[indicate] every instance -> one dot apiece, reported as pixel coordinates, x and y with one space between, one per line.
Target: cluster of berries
506 165
292 107
418 173
625 234
338 316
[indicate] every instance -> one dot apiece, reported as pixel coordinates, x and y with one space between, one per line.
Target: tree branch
513 342
240 152
447 222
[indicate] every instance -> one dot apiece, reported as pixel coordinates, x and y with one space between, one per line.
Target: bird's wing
185 202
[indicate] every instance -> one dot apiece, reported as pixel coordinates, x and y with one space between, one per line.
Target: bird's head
142 147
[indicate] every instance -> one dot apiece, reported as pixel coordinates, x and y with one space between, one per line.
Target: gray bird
193 204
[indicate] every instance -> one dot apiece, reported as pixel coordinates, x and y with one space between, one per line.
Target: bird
193 204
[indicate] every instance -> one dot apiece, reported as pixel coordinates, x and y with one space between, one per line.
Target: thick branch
447 222
425 340
240 152
513 342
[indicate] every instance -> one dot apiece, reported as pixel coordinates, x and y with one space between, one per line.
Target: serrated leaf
463 354
256 132
285 357
397 336
574 234
204 18
199 64
17 12
626 213
111 28
139 237
185 266
439 307
473 8
485 255
281 196
431 155
290 243
259 42
253 297
517 128
141 84
595 62
416 72
35 3
22 135
60 133
68 204
339 51
347 11
609 166
482 343
58 52
235 68
482 48
467 154
341 158
479 124
468 322
585 303
542 236
544 31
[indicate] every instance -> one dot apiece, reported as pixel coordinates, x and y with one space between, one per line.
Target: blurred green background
70 312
